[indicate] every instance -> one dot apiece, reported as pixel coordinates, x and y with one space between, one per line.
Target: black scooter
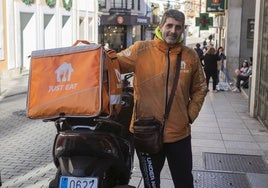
95 152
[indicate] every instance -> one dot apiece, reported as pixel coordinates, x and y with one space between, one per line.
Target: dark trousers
214 76
239 78
179 158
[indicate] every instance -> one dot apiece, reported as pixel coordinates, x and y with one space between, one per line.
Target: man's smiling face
172 30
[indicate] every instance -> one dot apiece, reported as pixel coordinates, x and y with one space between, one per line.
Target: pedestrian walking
210 67
200 53
154 64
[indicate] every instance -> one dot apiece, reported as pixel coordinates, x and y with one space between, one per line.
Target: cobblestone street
26 146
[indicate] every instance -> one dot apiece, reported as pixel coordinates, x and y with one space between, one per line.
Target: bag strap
172 93
81 41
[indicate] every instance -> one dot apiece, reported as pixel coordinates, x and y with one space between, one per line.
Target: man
150 60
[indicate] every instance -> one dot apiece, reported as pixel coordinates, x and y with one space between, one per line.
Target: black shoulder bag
148 131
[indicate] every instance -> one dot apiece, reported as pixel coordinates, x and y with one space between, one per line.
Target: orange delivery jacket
149 61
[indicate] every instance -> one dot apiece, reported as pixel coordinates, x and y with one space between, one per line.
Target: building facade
239 40
245 37
28 25
259 84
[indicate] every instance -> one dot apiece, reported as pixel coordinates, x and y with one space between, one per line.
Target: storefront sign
215 5
204 21
124 20
120 19
142 20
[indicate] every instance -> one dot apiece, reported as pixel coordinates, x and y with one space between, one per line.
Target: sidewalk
230 149
13 86
226 139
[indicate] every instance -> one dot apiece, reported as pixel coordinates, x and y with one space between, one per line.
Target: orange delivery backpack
76 81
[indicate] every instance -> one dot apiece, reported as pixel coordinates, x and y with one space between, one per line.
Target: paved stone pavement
223 127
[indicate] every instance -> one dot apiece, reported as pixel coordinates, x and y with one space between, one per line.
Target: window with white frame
102 4
124 4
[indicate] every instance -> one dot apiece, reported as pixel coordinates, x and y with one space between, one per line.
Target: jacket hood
162 46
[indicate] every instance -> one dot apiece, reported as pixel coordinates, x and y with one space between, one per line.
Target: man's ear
184 27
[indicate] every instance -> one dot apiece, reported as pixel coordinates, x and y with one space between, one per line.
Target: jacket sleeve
198 90
127 58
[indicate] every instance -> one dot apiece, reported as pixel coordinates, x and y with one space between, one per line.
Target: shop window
114 37
136 33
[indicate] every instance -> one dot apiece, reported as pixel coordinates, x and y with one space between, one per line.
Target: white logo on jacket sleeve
118 75
126 52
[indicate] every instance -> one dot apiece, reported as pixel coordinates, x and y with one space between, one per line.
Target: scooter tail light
92 144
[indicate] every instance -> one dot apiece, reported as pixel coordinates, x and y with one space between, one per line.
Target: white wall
234 17
24 33
33 27
1 32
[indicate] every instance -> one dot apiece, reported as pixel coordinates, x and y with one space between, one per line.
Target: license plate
75 182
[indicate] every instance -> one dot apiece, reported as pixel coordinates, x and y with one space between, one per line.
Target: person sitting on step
243 77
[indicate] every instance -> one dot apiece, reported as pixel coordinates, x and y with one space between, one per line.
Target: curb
14 86
245 93
12 94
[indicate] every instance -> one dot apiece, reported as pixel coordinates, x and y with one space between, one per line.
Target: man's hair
172 13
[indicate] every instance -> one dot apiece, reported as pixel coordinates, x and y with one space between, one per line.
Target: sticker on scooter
77 182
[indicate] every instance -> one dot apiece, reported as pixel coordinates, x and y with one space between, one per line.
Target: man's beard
172 39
